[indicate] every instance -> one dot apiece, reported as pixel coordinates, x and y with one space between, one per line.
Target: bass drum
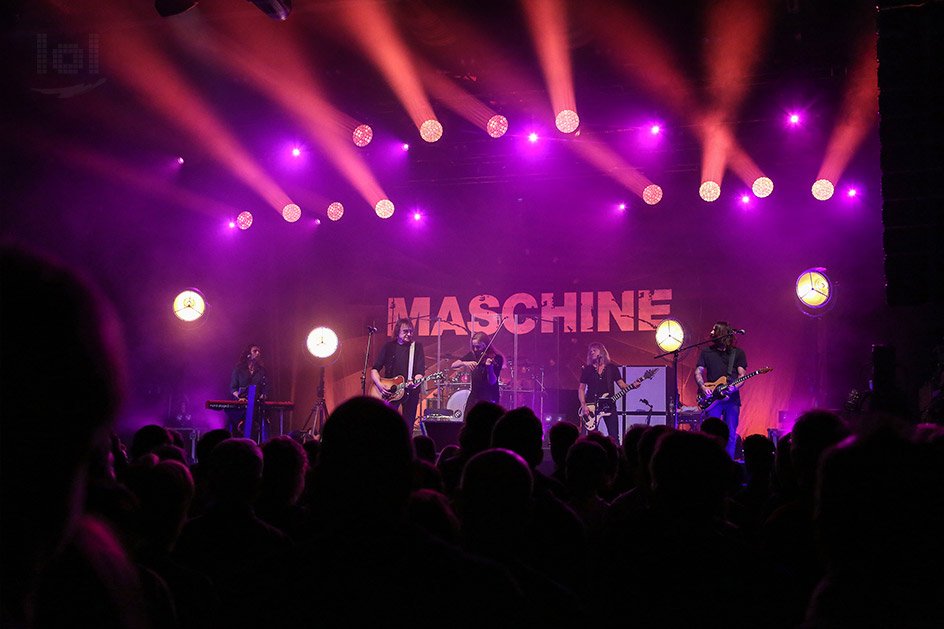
456 403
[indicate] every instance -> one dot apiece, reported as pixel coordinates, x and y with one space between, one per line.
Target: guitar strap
409 369
731 364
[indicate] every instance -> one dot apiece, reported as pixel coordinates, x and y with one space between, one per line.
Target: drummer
484 364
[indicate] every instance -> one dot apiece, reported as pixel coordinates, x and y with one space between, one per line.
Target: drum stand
319 412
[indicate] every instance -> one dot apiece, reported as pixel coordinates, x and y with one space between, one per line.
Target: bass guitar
721 389
606 405
399 386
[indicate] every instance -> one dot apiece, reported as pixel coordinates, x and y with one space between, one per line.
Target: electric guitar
399 386
720 389
606 405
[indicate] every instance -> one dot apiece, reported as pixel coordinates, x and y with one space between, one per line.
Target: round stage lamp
189 305
670 335
322 343
813 288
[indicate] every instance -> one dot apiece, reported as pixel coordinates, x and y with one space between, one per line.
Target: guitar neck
746 377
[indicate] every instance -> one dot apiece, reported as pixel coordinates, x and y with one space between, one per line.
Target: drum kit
456 388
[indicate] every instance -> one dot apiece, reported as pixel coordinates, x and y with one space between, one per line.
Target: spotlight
291 213
567 121
745 198
431 130
166 8
709 191
417 216
405 146
275 9
189 305
794 118
322 343
363 134
852 192
654 129
335 211
670 335
497 126
244 220
232 225
762 187
296 152
621 206
652 194
180 160
814 290
532 137
384 208
823 189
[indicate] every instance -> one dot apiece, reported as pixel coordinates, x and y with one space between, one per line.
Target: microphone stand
675 359
370 335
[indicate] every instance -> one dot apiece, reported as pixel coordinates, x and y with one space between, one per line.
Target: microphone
738 332
371 329
645 401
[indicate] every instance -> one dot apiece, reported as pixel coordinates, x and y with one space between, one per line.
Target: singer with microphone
247 372
722 359
485 365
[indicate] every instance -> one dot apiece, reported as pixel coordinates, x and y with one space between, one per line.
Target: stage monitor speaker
443 433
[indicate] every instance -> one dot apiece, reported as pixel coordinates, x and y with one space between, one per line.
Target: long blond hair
605 355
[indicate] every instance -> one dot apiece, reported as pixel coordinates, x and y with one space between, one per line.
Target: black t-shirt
482 389
394 360
599 383
716 362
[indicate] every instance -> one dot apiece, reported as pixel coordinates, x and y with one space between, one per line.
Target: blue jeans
729 412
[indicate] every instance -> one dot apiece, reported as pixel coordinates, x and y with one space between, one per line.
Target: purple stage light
232 225
852 192
655 129
180 160
794 118
621 206
745 198
296 152
417 216
405 146
532 137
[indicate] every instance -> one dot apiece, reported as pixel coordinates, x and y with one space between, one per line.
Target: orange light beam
610 163
454 97
278 69
373 28
857 114
735 32
131 50
548 23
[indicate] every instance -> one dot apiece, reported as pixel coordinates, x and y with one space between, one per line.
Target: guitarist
394 360
723 359
597 379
